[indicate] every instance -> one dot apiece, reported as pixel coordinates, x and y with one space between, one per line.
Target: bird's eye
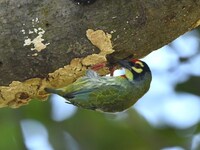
137 65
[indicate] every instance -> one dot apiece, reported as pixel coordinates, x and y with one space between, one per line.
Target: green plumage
107 93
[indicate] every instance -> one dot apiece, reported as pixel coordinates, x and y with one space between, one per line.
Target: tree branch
39 38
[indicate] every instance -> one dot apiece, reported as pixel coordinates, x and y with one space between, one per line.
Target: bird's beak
125 64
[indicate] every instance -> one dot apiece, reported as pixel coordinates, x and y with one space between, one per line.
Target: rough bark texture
41 36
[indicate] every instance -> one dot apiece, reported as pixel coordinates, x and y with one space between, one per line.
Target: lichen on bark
20 93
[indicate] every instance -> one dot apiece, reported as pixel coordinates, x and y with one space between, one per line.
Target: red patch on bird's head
134 60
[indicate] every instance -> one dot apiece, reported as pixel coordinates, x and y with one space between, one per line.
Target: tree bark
39 37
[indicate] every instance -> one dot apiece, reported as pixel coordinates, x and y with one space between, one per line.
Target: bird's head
135 69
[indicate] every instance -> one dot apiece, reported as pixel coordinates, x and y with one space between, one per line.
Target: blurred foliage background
166 118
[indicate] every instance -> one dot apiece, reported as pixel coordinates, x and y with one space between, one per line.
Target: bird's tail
53 91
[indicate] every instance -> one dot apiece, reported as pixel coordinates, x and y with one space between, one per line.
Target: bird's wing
95 84
83 94
89 83
98 98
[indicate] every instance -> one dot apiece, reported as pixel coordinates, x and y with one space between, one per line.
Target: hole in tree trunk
84 2
1 63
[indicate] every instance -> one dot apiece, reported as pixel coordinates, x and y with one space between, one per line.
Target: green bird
108 93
